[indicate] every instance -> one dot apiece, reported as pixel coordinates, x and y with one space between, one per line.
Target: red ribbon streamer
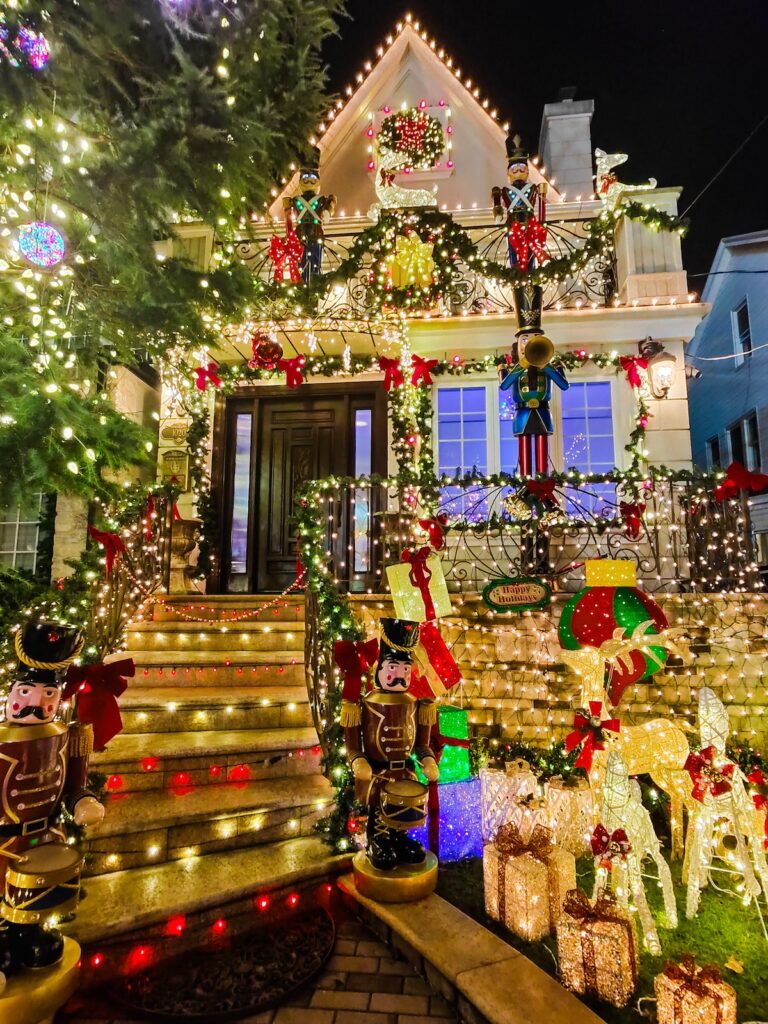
286 251
528 238
632 516
205 375
393 373
438 743
608 845
112 543
355 658
97 688
422 370
588 730
420 574
435 527
738 479
631 365
294 376
706 776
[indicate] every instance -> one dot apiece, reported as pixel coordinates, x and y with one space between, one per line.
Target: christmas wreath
415 134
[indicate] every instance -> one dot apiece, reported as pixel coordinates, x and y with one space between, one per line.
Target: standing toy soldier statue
306 213
531 381
43 767
521 207
382 731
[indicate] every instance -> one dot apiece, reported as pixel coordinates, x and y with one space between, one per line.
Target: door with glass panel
275 445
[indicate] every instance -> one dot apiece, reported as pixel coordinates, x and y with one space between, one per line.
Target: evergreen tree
117 121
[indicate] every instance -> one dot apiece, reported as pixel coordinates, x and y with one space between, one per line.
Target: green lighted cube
454 763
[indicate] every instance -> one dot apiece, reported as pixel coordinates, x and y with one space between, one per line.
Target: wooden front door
276 442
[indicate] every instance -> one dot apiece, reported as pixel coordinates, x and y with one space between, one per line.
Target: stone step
228 608
193 674
172 658
154 827
160 760
122 901
178 709
186 638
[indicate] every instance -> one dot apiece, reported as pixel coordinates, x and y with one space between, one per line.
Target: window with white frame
714 457
19 535
473 429
742 332
744 441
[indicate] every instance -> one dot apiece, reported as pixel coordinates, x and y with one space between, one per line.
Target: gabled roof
409 58
725 250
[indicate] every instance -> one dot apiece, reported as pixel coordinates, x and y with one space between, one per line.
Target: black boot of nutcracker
383 731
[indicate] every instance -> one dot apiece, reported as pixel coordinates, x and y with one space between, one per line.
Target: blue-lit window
462 445
586 416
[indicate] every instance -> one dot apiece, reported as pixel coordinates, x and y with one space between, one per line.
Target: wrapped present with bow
597 947
500 790
688 994
419 591
571 806
526 880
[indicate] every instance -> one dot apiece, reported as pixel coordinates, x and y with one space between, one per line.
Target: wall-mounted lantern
661 366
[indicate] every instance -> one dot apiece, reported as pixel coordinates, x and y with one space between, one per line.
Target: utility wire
732 157
732 355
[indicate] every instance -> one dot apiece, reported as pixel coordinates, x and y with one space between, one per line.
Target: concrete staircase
218 760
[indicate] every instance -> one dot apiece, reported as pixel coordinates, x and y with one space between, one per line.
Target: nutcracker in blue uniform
306 213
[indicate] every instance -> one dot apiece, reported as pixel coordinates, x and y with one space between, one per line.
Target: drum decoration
611 602
404 804
44 883
267 352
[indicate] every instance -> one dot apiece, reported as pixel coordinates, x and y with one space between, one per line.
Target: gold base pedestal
402 884
34 996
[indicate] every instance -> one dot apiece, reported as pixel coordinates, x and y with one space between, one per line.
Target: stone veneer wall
516 687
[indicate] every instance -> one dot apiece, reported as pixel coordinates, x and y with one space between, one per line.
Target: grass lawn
723 928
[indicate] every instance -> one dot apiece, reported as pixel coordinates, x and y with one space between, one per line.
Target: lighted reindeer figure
721 805
392 196
656 748
608 186
620 864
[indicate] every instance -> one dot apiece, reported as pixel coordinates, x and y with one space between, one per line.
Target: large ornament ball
41 244
267 353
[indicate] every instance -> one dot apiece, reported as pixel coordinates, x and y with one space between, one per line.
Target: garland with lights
415 134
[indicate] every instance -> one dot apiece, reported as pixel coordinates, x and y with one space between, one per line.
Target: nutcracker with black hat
43 770
521 206
306 213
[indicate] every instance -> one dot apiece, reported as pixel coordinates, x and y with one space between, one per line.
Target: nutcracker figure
531 381
306 213
382 731
43 767
521 207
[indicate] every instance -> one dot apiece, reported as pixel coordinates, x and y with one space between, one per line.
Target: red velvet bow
438 743
609 845
606 181
422 369
393 373
420 574
205 375
435 527
386 177
737 479
589 730
528 239
706 776
632 517
286 253
631 365
542 490
355 658
97 688
294 376
112 543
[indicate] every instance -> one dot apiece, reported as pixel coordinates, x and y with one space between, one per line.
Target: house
728 392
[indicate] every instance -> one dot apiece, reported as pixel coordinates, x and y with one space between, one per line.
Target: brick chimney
565 144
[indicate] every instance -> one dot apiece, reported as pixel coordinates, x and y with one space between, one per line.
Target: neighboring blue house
728 401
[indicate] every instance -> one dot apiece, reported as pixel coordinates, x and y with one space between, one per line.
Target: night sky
677 85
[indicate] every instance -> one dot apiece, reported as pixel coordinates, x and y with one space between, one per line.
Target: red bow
420 574
97 688
422 369
355 658
292 368
588 730
737 479
760 796
435 527
706 776
606 181
542 490
528 239
632 517
393 373
112 543
386 177
608 846
205 375
631 365
286 251
438 743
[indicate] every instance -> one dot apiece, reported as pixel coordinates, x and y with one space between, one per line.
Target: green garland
390 137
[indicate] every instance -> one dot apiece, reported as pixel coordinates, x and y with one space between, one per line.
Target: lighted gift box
452 744
597 947
688 994
501 790
403 579
570 804
525 881
457 827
